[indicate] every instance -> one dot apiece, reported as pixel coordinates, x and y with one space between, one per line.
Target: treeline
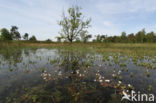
14 34
139 37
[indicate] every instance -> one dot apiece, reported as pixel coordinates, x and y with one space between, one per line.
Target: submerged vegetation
74 73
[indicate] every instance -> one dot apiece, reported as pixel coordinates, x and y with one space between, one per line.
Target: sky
111 17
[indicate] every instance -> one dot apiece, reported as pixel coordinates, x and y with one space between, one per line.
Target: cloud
108 23
40 17
125 6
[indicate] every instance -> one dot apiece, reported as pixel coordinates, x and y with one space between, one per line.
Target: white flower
113 75
100 80
44 74
107 80
77 71
99 77
129 85
120 82
119 72
94 80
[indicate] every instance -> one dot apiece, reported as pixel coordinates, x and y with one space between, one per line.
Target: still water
67 76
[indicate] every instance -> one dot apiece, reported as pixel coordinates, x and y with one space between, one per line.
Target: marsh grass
84 62
128 48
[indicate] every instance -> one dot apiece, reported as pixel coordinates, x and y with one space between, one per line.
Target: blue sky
111 17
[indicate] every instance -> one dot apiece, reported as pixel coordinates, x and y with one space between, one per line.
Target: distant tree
59 38
88 37
140 36
33 38
48 40
115 39
14 33
123 37
85 36
106 40
131 38
150 37
5 35
100 38
73 24
25 37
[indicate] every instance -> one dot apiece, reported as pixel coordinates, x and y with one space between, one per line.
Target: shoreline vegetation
49 44
135 48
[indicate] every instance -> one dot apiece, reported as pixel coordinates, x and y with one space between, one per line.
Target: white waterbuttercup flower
100 80
129 85
119 82
107 80
119 72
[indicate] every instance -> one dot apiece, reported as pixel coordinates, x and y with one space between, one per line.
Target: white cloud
108 23
125 6
39 17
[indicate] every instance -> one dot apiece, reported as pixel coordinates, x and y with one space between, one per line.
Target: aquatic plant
122 64
150 88
53 61
131 74
130 87
120 77
127 69
114 76
43 70
147 73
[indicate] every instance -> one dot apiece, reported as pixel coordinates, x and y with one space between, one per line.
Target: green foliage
59 39
99 38
5 35
25 37
14 33
48 40
139 37
84 36
33 38
73 25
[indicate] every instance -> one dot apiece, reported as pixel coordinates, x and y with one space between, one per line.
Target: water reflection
68 76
